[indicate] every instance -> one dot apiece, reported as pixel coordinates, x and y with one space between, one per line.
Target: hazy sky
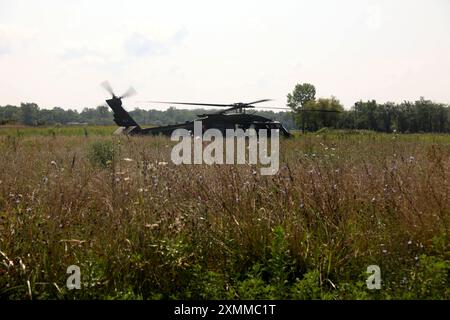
56 53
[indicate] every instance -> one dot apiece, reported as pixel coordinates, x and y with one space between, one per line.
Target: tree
366 115
104 116
300 96
28 113
386 111
9 114
325 112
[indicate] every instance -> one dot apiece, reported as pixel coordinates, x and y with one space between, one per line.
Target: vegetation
140 227
308 114
30 114
407 117
56 131
302 94
328 116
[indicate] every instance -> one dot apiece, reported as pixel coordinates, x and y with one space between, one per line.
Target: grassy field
56 131
140 227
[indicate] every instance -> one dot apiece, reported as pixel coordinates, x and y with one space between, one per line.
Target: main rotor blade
258 101
191 103
280 108
107 87
319 110
130 92
300 110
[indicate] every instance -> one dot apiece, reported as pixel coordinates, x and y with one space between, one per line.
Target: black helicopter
233 117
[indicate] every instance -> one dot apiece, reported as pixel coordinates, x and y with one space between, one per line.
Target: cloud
4 48
5 44
140 45
15 39
75 53
84 54
179 36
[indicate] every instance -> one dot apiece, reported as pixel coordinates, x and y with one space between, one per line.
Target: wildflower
22 265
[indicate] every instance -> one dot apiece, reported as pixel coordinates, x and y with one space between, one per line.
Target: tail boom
121 117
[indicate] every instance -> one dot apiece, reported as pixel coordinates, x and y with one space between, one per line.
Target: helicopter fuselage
221 122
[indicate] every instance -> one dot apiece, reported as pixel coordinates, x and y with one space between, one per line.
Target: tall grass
140 227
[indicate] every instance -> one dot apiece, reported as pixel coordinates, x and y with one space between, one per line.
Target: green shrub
430 279
254 287
101 153
308 287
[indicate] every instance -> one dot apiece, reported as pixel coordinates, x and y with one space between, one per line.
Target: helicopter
233 116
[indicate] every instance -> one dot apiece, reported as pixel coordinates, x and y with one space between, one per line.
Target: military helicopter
234 116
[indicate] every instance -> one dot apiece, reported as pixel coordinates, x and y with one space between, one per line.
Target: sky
56 53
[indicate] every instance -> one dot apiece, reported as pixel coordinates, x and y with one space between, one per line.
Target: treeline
419 116
312 114
407 117
30 114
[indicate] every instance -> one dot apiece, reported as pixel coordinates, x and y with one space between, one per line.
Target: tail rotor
107 86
